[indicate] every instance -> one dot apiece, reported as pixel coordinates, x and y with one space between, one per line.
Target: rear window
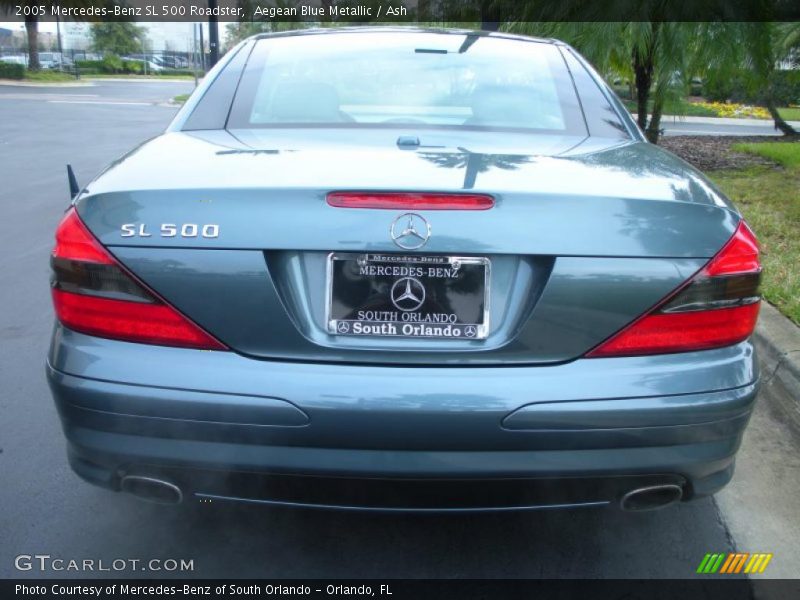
401 79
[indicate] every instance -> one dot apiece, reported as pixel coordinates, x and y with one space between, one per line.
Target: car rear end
444 274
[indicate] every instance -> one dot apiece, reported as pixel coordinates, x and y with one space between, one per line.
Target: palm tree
657 56
749 52
32 31
474 163
766 44
7 7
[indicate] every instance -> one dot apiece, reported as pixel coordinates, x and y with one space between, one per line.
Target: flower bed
735 111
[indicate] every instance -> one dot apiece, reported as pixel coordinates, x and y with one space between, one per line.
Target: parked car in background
401 269
15 59
49 60
54 60
148 64
171 62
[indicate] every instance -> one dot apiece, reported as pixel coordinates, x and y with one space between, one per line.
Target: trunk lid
585 234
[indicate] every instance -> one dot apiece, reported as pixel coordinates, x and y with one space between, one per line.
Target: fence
86 62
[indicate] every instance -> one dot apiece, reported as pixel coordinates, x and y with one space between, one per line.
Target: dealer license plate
444 297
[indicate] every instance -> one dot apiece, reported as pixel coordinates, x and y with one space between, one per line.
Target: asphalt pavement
48 510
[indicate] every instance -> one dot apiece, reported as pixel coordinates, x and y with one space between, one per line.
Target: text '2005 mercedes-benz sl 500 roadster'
401 269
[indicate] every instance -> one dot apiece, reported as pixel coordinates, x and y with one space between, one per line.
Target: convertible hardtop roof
409 29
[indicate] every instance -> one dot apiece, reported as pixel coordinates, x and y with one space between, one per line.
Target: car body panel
661 208
273 304
372 421
559 285
591 228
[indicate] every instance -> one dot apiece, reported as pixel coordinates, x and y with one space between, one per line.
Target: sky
178 35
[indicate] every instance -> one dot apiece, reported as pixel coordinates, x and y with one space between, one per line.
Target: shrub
719 87
168 72
11 71
734 88
133 66
786 87
111 63
94 65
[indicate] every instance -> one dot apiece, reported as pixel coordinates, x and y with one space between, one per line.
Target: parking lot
48 510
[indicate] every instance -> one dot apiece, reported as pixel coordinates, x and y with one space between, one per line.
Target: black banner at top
491 13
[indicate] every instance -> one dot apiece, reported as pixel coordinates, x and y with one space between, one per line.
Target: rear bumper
578 433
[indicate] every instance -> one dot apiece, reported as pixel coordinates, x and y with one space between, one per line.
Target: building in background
14 39
48 40
76 36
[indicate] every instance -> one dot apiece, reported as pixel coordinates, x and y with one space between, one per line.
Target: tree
666 44
118 38
765 47
657 56
31 27
749 53
240 30
9 7
790 42
32 30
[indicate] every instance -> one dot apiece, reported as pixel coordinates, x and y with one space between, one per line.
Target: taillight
717 307
410 200
95 294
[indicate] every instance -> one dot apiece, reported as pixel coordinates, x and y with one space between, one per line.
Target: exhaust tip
151 489
651 497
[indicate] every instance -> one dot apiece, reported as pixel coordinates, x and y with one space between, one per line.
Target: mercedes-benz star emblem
343 327
408 294
410 231
470 331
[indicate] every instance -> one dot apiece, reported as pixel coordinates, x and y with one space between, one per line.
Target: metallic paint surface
587 233
544 310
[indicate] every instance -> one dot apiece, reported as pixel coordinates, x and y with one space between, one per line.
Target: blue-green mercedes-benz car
400 269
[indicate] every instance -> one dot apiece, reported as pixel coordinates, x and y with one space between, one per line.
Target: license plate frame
474 329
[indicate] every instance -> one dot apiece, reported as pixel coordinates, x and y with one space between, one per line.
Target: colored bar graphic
753 564
734 562
727 564
703 563
763 565
718 564
739 563
709 562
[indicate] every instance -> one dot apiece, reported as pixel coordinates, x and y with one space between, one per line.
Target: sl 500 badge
168 230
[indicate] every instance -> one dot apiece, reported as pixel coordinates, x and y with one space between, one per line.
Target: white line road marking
100 102
70 95
722 132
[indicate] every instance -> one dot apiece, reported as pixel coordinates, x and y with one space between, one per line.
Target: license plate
392 295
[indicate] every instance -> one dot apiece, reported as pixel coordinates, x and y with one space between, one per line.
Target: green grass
786 154
689 109
770 201
181 98
48 76
790 114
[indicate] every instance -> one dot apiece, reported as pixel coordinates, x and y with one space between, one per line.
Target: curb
38 84
725 120
721 120
162 79
777 341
